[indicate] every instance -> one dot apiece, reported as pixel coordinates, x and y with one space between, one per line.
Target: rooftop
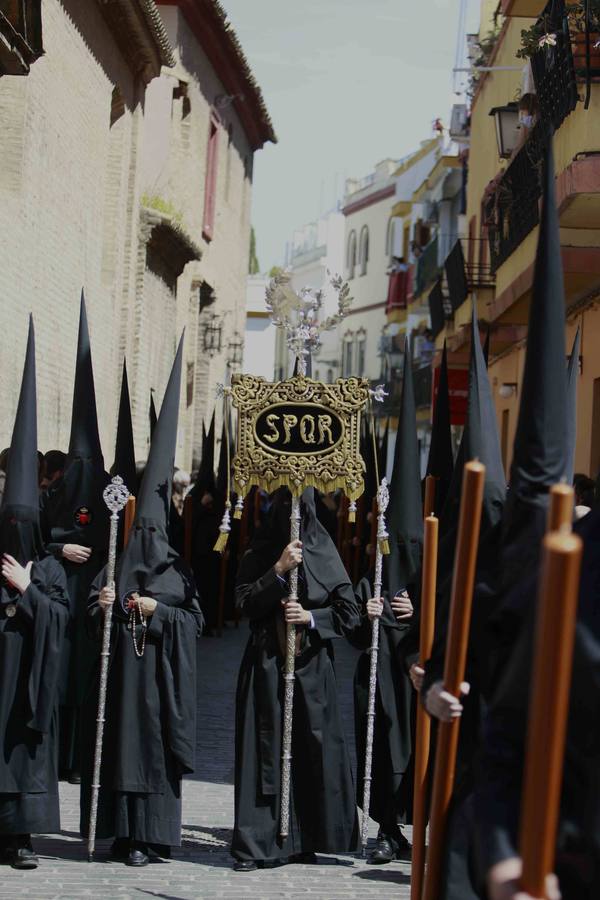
214 32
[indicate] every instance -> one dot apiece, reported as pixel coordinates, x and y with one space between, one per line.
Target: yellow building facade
559 92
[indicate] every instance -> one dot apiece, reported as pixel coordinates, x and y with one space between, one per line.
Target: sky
347 83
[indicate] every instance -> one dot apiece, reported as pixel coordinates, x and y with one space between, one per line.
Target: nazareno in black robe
150 730
391 785
30 652
498 785
322 808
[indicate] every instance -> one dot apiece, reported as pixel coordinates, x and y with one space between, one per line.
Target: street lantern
235 350
507 128
213 333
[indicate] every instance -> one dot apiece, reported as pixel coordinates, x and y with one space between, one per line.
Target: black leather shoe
384 850
245 865
24 858
137 858
74 778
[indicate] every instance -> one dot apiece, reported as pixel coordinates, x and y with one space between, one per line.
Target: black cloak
323 813
391 785
500 773
31 638
149 736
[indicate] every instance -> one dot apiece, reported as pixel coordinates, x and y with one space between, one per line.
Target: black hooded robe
391 785
30 652
322 808
150 730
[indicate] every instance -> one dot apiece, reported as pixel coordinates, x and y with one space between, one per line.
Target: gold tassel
237 514
221 542
239 508
384 546
351 516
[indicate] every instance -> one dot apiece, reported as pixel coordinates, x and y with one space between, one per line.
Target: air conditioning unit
459 123
431 212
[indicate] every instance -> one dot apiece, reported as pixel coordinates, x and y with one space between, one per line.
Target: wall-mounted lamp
213 334
235 350
507 389
507 128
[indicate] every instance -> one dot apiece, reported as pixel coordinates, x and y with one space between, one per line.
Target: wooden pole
128 518
549 707
461 602
423 728
561 509
429 502
187 529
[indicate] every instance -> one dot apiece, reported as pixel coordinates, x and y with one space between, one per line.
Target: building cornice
214 33
140 35
369 200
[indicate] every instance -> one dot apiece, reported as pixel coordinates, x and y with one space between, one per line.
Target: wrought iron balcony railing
553 68
427 268
511 206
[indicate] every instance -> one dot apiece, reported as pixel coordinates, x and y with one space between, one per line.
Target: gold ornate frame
341 466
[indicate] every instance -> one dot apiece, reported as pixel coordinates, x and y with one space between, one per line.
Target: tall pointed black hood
541 449
19 516
205 482
480 441
382 450
572 377
440 463
124 464
21 485
223 465
74 511
540 453
405 512
84 442
149 565
154 499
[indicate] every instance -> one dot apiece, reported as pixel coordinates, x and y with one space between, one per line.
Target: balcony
511 206
526 8
553 68
427 268
399 289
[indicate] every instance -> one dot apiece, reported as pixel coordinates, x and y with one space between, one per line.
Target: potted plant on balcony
542 36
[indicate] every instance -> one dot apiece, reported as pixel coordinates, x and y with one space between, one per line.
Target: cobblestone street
202 867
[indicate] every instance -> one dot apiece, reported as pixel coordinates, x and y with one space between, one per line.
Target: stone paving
202 867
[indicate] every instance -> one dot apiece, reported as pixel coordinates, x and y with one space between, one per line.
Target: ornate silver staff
298 315
383 498
115 496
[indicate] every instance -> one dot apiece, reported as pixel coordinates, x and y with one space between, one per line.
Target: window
229 160
351 254
317 375
180 92
347 357
361 354
206 294
329 376
210 181
389 239
363 253
189 393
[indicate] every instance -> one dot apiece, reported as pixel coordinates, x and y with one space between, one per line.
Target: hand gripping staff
383 498
115 496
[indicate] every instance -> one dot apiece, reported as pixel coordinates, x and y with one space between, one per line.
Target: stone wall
84 150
